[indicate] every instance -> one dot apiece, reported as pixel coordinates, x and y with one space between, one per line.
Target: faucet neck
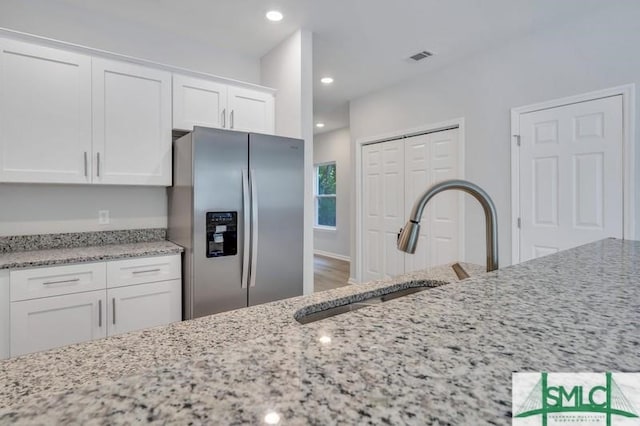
490 213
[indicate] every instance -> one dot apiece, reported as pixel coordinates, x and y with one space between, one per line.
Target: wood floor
329 273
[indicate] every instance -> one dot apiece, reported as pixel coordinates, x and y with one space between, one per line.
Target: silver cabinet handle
75 280
100 313
86 164
224 117
146 270
231 119
246 208
254 228
113 302
98 166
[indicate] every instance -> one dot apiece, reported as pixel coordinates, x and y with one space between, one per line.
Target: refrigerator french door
236 206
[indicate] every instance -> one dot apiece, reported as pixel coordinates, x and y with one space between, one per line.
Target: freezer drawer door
277 178
219 159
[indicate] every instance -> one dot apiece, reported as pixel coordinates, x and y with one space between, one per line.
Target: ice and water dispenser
222 234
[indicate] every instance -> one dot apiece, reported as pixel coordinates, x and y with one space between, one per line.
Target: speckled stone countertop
441 356
29 259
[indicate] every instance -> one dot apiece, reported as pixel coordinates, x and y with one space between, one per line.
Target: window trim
317 196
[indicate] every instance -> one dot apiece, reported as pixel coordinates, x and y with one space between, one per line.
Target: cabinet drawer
143 270
57 280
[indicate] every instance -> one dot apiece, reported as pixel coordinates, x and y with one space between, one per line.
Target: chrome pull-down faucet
408 238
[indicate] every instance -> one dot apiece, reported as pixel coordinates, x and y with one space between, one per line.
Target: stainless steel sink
354 306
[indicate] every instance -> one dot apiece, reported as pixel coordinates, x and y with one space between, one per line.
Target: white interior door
383 209
571 176
430 159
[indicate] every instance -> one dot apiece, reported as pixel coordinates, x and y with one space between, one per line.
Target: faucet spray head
408 238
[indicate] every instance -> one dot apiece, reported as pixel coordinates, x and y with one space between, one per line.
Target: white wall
64 22
288 69
27 209
327 147
281 69
593 52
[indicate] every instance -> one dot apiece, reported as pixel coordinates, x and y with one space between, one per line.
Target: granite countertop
442 356
61 256
119 356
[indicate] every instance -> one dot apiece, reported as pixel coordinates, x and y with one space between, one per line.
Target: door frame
458 123
627 92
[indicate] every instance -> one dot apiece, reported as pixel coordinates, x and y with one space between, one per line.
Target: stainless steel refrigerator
236 206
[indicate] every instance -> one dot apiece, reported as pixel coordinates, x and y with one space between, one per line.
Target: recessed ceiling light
319 125
274 15
326 80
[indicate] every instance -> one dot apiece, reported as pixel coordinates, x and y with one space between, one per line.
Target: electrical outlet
103 217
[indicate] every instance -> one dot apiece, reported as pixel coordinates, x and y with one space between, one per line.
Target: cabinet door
142 306
131 124
198 102
51 322
251 110
45 114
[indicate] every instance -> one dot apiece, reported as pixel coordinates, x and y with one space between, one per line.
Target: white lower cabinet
62 305
142 306
51 322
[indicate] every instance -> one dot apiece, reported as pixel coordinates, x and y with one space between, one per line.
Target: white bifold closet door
395 173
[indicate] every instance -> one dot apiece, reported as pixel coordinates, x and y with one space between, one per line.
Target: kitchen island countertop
443 356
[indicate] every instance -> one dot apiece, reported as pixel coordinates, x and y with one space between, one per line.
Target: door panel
277 169
51 322
142 306
383 202
198 102
131 124
372 247
219 159
430 159
45 114
250 110
571 181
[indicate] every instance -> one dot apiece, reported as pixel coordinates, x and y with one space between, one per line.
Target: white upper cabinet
251 110
198 102
131 124
45 114
68 117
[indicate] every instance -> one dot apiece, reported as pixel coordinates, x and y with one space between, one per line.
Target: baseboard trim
352 281
332 255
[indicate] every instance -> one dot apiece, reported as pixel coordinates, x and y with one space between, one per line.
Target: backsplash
80 239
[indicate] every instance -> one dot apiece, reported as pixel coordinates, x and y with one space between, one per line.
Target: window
325 195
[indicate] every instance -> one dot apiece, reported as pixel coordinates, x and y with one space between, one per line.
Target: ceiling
362 44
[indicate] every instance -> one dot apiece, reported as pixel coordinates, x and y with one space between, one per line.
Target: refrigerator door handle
254 227
246 229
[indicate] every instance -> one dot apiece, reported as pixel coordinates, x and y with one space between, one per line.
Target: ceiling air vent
421 55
